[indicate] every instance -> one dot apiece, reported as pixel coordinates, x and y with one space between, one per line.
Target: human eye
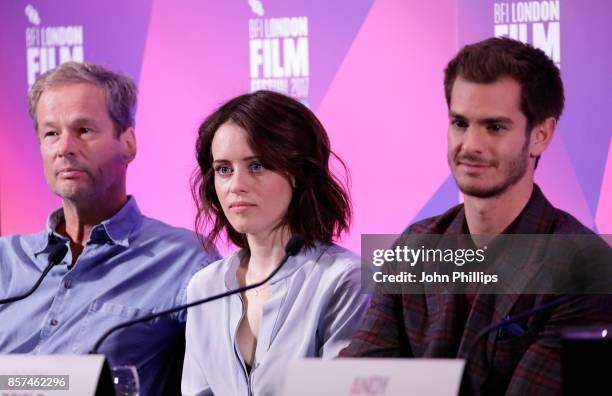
84 130
49 134
496 127
256 167
458 123
223 170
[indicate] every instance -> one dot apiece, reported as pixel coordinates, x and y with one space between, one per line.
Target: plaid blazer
444 326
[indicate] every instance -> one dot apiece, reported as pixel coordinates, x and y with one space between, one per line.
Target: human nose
66 145
240 181
473 140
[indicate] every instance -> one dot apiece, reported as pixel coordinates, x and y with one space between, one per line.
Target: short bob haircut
289 139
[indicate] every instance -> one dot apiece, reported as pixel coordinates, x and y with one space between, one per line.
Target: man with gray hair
120 264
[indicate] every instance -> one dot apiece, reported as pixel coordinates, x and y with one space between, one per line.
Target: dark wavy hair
289 139
489 60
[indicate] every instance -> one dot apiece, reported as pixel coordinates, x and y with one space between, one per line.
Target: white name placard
374 377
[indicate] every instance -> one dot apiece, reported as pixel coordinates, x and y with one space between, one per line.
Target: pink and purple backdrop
374 78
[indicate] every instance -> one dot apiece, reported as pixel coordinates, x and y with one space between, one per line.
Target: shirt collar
123 223
116 229
49 237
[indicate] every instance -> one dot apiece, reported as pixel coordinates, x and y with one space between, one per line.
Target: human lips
69 172
472 164
240 206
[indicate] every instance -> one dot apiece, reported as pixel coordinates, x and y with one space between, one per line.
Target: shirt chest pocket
110 308
509 351
101 316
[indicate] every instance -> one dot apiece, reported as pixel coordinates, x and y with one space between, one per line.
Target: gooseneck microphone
293 247
55 257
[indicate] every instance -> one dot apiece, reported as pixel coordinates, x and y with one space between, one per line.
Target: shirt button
54 322
67 284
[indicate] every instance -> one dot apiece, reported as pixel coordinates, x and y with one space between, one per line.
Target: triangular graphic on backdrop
587 156
560 183
329 40
444 198
603 218
114 31
386 113
588 92
124 40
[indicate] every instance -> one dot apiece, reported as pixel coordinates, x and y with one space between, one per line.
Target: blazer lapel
523 256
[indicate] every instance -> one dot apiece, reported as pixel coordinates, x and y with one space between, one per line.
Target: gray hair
119 90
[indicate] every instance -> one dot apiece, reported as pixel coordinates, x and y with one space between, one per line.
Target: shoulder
336 255
338 291
178 239
213 272
8 241
160 230
565 223
22 244
211 278
21 238
18 252
436 224
336 261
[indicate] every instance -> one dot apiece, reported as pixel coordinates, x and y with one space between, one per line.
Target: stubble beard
514 172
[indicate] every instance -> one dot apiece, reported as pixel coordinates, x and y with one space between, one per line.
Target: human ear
541 136
128 145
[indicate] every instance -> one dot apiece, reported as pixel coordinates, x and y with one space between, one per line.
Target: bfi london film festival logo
50 46
278 53
534 22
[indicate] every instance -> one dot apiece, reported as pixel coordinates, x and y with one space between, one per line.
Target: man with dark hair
504 99
541 94
120 264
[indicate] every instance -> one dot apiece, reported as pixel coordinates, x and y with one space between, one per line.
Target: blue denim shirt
131 266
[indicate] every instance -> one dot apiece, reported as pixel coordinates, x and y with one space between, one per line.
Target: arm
193 381
381 333
193 260
344 313
539 369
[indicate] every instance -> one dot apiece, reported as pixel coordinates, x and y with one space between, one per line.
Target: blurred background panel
370 69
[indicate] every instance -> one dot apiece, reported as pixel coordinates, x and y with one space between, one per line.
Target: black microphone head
58 253
294 245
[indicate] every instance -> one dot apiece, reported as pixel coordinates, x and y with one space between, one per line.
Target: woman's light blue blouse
314 309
